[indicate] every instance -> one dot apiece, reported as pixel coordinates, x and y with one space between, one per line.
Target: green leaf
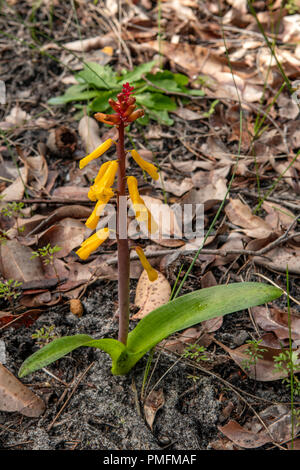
99 76
189 310
181 313
156 101
62 346
101 102
165 80
160 116
194 92
68 97
136 74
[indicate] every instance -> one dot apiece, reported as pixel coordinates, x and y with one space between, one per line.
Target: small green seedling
46 253
44 335
14 209
195 353
288 362
176 315
10 291
254 353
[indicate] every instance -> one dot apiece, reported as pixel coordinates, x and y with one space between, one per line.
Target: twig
70 396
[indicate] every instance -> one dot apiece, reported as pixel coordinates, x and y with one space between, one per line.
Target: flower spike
92 243
96 153
146 166
152 273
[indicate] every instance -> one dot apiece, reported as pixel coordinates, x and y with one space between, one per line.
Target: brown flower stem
123 248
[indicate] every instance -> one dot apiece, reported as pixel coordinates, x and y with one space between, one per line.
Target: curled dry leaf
264 368
279 258
151 295
15 191
71 192
241 215
16 321
276 320
154 401
37 172
67 234
276 428
176 187
15 396
89 132
16 262
62 141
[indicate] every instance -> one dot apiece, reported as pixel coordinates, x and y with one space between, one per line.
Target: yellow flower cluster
101 191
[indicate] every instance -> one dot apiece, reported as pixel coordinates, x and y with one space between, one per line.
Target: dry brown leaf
71 192
67 234
264 369
276 320
178 188
17 117
37 172
194 59
15 396
16 262
89 132
276 428
279 258
151 295
241 215
154 401
242 437
15 191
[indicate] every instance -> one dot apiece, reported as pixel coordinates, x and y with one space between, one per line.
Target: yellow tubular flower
146 166
152 273
140 209
103 185
93 219
101 172
96 153
92 243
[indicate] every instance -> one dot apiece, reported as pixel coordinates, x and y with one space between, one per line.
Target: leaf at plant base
137 73
99 76
154 401
195 307
156 101
150 295
62 346
100 103
176 315
165 80
69 97
16 262
15 396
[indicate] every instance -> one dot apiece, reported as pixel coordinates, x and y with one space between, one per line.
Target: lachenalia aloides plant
184 311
